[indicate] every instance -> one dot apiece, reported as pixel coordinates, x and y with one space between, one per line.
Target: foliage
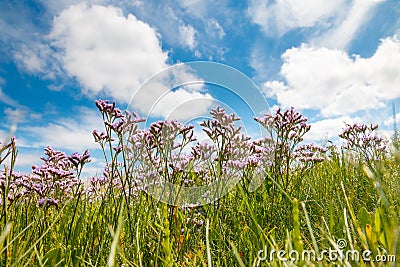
309 198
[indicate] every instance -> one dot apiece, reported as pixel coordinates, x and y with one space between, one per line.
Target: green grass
337 199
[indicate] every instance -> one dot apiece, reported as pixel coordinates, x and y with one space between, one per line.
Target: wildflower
99 137
362 138
281 150
310 153
47 202
77 159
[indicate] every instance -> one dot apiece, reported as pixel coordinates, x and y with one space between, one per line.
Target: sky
334 61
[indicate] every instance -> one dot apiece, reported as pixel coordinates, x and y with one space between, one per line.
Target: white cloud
188 36
342 34
335 83
12 115
281 16
328 128
214 29
259 62
8 100
164 102
334 23
66 133
392 120
27 159
182 104
106 51
195 7
33 58
37 57
112 54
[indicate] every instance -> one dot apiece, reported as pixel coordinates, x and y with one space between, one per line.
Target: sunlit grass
345 197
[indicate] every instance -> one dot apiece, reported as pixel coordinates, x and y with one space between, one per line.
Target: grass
342 204
338 199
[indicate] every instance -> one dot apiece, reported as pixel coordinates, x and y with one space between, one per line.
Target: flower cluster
222 130
310 153
96 187
108 109
115 120
162 152
154 156
11 186
287 126
230 148
286 130
167 152
363 139
47 185
56 179
116 144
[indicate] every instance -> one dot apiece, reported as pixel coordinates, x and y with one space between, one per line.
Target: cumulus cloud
164 102
281 16
106 51
38 58
182 104
112 54
336 83
328 128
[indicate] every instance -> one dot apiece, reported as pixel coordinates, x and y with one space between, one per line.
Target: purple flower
47 202
362 138
76 159
100 137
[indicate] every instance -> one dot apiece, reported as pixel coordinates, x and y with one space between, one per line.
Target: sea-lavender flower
363 139
310 153
55 179
80 160
47 202
100 137
286 130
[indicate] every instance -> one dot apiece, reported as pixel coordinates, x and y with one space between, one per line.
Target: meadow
278 201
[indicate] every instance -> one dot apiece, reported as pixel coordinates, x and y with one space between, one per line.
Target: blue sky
334 61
